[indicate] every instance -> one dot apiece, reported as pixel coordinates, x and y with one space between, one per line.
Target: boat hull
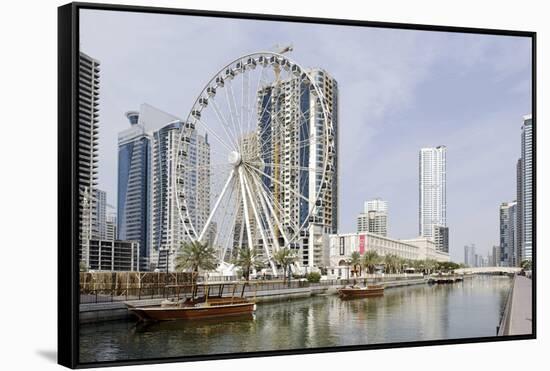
360 293
195 312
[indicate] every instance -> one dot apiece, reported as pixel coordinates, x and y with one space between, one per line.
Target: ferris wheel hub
234 158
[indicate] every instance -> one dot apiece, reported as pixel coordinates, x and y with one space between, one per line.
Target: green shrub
313 277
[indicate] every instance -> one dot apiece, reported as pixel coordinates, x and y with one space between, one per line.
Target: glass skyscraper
147 171
134 157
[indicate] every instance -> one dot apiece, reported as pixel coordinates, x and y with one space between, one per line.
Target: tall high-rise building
432 190
88 134
377 205
134 183
200 154
168 232
147 171
110 227
508 237
519 211
374 218
441 238
99 214
288 114
496 256
469 255
526 191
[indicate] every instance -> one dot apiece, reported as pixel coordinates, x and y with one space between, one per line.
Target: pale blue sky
400 90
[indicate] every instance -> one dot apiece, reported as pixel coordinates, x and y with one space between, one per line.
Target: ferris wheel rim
190 231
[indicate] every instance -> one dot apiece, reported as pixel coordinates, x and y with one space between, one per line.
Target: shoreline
113 311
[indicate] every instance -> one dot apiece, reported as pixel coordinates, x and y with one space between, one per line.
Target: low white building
341 246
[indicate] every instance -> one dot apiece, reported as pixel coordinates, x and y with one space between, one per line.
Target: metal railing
124 293
504 323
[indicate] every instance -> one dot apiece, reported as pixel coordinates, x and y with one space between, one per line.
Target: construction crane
276 150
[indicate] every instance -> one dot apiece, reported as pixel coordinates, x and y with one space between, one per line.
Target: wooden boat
193 307
361 292
440 278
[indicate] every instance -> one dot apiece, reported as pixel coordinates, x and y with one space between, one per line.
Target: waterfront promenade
98 308
518 315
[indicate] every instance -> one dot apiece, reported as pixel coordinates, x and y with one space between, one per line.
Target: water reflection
467 309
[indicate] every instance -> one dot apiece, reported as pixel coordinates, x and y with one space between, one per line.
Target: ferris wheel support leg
279 225
245 207
275 244
209 220
225 248
265 206
259 223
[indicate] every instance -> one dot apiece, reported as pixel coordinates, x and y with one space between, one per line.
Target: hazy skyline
399 91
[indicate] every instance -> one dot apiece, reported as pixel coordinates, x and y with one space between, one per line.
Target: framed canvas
242 185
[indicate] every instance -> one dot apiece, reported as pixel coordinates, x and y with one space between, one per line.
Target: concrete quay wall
99 312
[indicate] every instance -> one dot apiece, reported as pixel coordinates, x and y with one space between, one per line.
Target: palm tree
370 260
194 256
430 265
402 263
391 263
285 257
418 265
355 260
248 260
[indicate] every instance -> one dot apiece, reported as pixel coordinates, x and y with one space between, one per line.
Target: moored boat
195 307
445 278
361 292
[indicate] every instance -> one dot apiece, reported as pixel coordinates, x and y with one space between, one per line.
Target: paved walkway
521 315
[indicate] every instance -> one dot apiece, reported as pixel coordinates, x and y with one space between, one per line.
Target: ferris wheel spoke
294 167
227 219
214 134
230 241
209 220
259 223
231 105
280 183
245 210
276 208
222 120
268 210
233 108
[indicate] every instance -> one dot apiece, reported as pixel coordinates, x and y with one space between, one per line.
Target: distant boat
361 292
445 278
193 307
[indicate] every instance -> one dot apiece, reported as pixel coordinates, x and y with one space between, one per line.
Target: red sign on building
362 243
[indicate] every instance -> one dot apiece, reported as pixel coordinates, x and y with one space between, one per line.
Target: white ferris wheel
253 157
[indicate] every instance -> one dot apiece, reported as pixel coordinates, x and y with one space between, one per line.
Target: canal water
423 312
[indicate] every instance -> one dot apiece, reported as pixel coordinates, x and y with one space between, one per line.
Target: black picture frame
68 266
